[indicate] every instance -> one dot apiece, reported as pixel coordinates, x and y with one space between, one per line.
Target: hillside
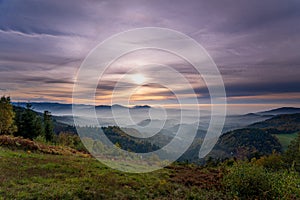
240 143
19 143
286 139
117 135
280 111
233 122
281 124
36 175
46 176
129 143
247 143
37 170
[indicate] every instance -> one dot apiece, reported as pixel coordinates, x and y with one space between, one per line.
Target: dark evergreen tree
29 123
48 126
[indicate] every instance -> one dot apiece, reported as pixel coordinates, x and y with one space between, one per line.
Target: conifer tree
29 123
48 126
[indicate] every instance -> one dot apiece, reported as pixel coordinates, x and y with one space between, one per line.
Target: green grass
285 139
27 175
43 176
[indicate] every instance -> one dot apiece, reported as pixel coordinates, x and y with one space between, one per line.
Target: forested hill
280 111
257 139
248 142
118 137
280 124
240 143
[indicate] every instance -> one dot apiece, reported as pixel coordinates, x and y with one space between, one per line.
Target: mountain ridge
280 110
66 109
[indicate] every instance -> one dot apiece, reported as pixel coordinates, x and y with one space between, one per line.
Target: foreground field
37 170
26 175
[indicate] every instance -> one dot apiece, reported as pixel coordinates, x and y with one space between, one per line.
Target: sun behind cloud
138 78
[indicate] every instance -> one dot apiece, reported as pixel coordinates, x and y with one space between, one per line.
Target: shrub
251 181
40 139
286 184
292 155
70 140
246 181
273 162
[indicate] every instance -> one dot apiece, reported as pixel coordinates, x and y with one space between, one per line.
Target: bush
286 184
273 162
40 139
70 140
292 155
251 181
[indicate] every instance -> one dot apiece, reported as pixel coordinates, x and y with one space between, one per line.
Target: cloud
48 80
33 34
254 43
277 92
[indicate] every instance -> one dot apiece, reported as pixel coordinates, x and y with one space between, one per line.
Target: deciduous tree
7 115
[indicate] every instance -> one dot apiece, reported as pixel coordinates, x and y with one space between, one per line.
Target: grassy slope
27 175
31 170
284 127
285 139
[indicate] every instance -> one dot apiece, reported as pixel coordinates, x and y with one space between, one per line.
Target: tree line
24 122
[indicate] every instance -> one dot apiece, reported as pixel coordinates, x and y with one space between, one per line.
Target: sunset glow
257 55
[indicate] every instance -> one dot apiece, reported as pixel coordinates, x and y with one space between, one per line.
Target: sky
255 44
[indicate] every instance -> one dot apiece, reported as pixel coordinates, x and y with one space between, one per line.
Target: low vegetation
19 143
285 139
281 124
44 175
251 181
50 166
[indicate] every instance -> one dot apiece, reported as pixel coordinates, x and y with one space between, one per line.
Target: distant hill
280 111
241 121
258 138
280 124
143 107
110 107
245 143
66 109
42 106
240 143
117 135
